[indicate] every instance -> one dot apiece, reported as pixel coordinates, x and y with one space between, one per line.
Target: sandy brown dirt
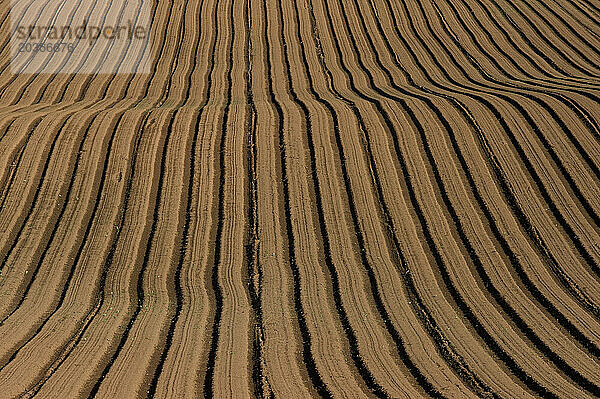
310 198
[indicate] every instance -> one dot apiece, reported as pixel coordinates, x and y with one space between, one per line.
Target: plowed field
310 198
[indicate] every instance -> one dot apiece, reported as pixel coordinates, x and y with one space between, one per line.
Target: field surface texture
309 198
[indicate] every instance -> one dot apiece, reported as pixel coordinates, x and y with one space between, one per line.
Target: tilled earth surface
304 198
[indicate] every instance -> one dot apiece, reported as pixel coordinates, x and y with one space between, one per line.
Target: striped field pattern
309 198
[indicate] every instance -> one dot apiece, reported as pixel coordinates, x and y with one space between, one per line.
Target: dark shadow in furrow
448 353
59 99
307 356
83 90
529 167
591 5
108 263
595 20
4 133
76 338
501 181
41 93
255 275
491 222
539 52
549 83
493 163
559 362
11 173
15 24
8 175
151 391
467 312
583 84
444 347
260 382
214 275
10 247
362 369
36 122
157 200
535 238
575 17
50 239
25 218
89 225
588 119
40 182
552 28
547 146
49 81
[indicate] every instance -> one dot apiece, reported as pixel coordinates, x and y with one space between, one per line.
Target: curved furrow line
260 383
491 21
514 260
573 16
591 387
11 172
67 84
543 139
534 237
529 167
497 349
4 133
586 118
582 114
214 273
492 162
509 38
359 363
592 5
587 13
307 355
574 374
10 246
188 203
33 202
6 46
76 338
162 382
541 345
522 34
50 78
25 291
42 256
554 28
65 202
90 220
424 315
100 192
363 198
157 196
549 307
510 254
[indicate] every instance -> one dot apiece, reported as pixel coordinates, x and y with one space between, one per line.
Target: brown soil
336 198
